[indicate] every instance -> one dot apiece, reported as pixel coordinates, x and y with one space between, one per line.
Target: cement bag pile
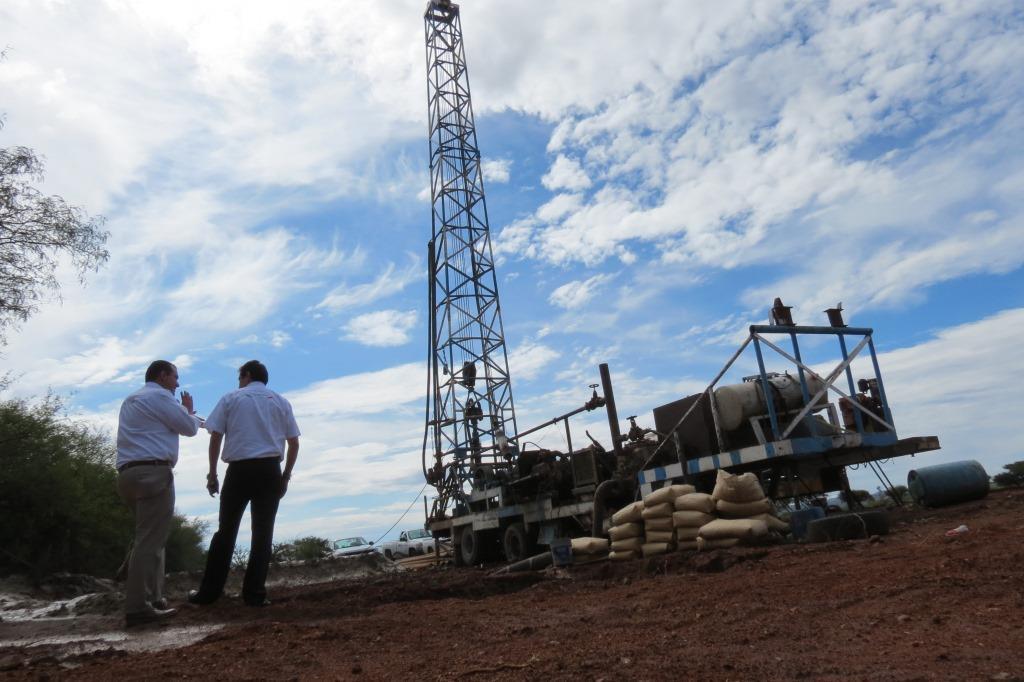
691 512
627 532
741 498
589 549
659 532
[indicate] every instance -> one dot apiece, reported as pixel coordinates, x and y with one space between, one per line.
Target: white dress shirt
149 425
255 422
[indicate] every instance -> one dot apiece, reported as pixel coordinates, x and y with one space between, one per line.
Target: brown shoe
138 618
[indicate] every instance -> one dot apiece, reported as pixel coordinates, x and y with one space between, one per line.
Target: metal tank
950 483
740 402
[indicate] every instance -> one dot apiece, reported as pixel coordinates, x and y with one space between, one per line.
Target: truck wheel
389 555
516 543
413 551
470 547
848 526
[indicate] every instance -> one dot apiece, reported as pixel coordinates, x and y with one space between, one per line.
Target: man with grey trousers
148 427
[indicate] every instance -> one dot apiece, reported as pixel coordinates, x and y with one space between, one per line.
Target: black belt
145 462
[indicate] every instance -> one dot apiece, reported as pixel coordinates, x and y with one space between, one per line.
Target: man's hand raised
186 401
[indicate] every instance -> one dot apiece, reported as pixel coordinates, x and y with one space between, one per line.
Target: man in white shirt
147 450
256 423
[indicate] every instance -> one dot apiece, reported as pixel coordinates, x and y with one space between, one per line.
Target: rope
399 519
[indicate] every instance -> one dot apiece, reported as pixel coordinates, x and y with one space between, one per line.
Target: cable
399 519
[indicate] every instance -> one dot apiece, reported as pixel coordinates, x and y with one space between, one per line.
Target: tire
851 526
516 543
388 554
413 551
470 547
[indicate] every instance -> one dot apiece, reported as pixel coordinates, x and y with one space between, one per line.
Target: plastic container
561 551
943 484
801 517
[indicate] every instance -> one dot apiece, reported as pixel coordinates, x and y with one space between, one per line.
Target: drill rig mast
471 416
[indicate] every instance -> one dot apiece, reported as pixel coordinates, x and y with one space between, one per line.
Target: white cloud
381 328
528 360
566 173
575 294
496 170
387 283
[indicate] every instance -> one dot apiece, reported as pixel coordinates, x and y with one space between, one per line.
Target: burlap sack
774 522
654 548
686 544
701 502
661 536
704 545
733 528
659 523
627 544
733 488
743 510
687 532
624 556
667 494
663 509
626 530
681 519
589 545
631 512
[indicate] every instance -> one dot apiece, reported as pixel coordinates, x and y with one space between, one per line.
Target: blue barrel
943 484
801 517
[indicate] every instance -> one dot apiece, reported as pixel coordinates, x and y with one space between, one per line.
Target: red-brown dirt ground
911 605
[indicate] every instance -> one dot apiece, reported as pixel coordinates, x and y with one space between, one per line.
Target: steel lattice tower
472 412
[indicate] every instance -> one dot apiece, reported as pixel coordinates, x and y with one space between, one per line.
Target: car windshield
417 534
348 542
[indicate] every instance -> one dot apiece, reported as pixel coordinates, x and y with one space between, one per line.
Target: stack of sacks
746 512
626 532
692 511
589 549
657 516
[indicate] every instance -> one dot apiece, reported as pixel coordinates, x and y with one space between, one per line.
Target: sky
656 173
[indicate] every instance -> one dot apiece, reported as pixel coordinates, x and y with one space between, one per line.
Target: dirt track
916 605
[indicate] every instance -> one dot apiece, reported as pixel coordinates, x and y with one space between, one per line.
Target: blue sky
656 173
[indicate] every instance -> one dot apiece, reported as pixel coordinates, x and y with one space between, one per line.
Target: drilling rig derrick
471 416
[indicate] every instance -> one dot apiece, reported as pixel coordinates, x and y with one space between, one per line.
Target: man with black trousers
254 423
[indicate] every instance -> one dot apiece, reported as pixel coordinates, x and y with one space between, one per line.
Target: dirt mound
915 604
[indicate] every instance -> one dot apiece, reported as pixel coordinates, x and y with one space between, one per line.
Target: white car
351 547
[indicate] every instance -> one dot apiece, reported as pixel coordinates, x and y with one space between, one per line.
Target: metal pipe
537 561
772 329
613 415
603 491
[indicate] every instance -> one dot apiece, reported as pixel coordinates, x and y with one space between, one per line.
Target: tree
1013 477
35 232
184 549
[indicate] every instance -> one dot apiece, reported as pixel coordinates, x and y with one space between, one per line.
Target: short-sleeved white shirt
149 424
255 422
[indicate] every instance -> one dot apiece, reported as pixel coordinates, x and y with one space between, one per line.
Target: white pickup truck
409 543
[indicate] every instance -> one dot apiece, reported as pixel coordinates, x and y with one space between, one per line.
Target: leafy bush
59 501
312 548
185 545
1013 477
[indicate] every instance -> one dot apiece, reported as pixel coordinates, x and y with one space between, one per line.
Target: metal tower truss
472 415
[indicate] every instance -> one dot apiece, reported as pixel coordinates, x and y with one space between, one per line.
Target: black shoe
132 620
258 604
199 600
159 604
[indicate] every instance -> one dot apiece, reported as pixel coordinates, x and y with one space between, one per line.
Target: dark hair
157 368
256 370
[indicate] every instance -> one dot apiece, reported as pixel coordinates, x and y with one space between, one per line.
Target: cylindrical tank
950 483
739 402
